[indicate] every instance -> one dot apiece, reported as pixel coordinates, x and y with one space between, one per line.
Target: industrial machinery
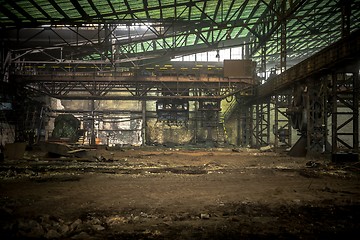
308 115
173 111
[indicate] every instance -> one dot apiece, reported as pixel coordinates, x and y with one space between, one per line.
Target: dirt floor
178 193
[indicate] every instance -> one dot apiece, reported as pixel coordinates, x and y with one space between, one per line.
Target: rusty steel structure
326 84
122 50
174 82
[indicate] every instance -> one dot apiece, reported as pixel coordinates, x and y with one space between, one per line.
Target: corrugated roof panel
87 7
182 12
234 11
118 5
31 10
169 13
13 11
68 8
210 10
316 20
49 9
136 4
103 7
190 40
154 14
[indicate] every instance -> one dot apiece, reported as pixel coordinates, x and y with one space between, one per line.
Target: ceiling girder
21 11
112 8
94 8
40 9
291 10
79 9
59 9
9 14
202 23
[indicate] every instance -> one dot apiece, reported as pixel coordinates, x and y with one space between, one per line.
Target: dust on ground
178 193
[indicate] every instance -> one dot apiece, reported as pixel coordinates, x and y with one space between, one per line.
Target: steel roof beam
230 8
145 2
239 12
161 12
112 8
293 8
79 8
94 8
201 19
58 8
130 11
21 11
10 15
163 7
40 9
219 3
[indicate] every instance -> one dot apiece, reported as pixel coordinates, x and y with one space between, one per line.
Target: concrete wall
190 133
116 122
126 128
161 133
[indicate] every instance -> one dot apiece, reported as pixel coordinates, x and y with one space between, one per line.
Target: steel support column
316 130
345 112
246 119
262 124
282 126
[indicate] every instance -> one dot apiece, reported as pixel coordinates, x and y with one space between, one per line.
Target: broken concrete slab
268 148
63 149
56 148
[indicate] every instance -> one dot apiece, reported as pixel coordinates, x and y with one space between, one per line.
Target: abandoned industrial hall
174 119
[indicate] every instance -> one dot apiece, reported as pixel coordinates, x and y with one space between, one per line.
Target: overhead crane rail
211 73
345 51
202 81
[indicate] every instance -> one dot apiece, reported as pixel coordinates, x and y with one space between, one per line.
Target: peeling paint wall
120 129
190 133
125 126
116 122
232 130
161 133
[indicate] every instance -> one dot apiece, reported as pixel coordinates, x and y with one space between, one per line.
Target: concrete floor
178 193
